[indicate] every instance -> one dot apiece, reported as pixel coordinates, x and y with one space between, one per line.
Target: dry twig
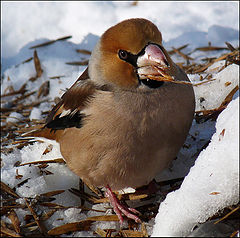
36 218
50 42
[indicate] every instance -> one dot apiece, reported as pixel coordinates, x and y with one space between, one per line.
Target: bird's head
128 54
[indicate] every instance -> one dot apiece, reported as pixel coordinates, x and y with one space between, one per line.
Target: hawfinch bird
126 117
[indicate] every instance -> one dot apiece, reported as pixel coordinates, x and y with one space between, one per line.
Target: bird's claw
120 208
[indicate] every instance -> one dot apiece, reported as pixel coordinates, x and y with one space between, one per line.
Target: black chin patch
152 83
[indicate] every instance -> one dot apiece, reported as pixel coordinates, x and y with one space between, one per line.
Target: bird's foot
120 208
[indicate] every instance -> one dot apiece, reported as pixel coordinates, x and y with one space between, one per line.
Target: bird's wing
67 113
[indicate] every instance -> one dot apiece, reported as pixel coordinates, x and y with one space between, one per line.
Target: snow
25 24
55 19
218 168
210 97
35 114
14 117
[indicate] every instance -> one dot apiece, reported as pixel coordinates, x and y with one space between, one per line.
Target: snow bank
211 95
211 185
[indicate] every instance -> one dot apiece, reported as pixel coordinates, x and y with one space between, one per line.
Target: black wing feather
60 123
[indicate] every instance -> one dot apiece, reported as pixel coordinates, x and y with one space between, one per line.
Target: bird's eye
123 54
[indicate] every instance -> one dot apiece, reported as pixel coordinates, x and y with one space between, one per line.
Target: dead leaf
225 56
47 172
9 90
85 52
179 48
210 48
221 134
94 189
58 160
132 233
28 218
227 84
84 62
52 193
127 196
43 166
235 233
37 64
22 90
50 42
51 204
8 190
18 176
15 221
214 193
144 230
83 225
44 89
27 60
229 97
204 115
136 196
57 77
182 54
103 218
48 149
230 47
32 79
21 183
36 218
234 210
8 231
101 232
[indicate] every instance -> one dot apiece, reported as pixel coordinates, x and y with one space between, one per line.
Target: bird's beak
153 64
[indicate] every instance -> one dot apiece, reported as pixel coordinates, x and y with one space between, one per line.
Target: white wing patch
73 112
68 112
65 113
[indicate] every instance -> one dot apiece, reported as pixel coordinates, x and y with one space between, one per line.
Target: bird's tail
42 133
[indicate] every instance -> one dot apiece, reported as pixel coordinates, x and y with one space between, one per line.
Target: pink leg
118 208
